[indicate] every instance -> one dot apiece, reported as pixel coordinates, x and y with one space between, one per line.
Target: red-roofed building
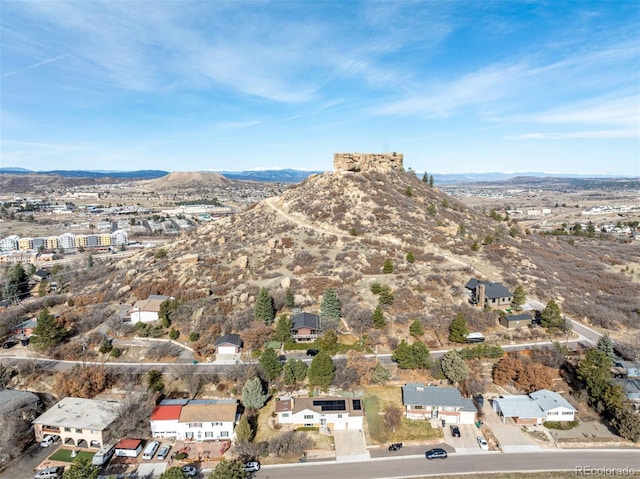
129 447
164 420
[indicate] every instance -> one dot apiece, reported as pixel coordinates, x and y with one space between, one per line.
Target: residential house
434 402
41 275
630 387
78 421
228 344
534 408
23 331
305 327
630 369
516 321
333 412
485 293
195 419
128 448
147 310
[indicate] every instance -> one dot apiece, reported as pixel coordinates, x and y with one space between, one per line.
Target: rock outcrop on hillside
367 161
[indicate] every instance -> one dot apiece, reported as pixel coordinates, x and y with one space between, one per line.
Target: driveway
509 436
467 442
350 446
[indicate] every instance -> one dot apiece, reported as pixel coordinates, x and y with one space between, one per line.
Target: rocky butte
367 161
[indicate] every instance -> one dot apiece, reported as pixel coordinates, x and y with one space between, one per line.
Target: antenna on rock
385 149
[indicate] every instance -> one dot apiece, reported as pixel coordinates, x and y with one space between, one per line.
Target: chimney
481 297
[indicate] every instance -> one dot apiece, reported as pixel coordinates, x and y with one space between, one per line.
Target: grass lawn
64 455
376 400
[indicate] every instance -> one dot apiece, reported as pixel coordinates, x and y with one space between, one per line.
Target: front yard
376 400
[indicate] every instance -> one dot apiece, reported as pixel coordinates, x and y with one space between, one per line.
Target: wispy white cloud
36 65
584 135
238 124
623 111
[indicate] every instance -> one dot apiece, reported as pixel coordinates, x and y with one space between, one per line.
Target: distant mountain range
296 176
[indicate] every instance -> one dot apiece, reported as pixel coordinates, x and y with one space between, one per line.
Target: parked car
48 440
49 473
482 442
312 352
189 471
252 466
455 431
396 446
9 344
282 358
436 453
163 452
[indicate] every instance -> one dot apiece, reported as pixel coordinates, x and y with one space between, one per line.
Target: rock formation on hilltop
367 161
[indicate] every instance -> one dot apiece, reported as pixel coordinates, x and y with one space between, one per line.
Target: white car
48 440
482 442
253 466
189 471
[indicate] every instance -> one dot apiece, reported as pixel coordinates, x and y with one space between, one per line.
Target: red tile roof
166 413
128 444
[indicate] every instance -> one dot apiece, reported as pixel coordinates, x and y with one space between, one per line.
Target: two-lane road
582 462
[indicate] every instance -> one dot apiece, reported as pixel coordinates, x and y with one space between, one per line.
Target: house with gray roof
516 321
433 402
228 344
534 408
78 421
305 327
486 293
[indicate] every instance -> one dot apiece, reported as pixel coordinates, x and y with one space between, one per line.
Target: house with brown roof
195 419
333 412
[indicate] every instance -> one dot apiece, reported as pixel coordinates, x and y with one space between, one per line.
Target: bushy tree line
416 356
606 397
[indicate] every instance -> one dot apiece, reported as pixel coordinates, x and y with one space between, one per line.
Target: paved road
23 466
418 466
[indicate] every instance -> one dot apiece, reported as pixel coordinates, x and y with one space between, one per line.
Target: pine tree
283 329
264 309
387 268
403 355
385 296
606 345
330 306
47 333
519 297
378 318
322 370
253 395
425 178
244 431
228 470
431 181
270 364
551 316
174 472
81 469
416 328
458 330
421 355
290 299
410 257
295 371
454 367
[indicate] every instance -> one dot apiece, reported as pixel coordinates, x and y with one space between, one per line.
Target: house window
79 431
567 413
417 407
208 434
285 414
552 413
214 424
224 433
308 424
339 416
308 416
67 429
193 425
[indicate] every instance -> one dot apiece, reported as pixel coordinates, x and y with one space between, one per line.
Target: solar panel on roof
357 405
330 405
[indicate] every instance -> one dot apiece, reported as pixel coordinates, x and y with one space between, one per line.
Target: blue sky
478 86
